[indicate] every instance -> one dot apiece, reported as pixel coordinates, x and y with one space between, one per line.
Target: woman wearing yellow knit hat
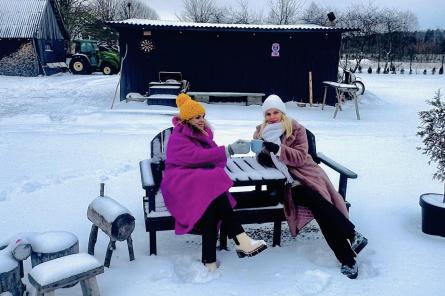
195 185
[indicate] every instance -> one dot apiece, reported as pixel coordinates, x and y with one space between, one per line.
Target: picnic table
340 90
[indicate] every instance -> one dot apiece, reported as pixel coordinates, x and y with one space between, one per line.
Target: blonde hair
286 122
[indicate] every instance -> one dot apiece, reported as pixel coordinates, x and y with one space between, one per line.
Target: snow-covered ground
59 140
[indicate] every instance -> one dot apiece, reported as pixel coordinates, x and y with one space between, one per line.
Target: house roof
21 18
176 25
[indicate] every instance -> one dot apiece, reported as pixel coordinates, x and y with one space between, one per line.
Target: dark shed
32 36
230 57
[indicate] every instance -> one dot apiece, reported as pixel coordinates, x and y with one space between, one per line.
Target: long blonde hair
286 122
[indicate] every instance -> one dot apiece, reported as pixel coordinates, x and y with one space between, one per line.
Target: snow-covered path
59 140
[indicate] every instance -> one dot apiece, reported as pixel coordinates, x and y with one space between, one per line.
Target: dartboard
147 45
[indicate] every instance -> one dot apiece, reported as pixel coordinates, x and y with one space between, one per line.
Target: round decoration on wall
146 45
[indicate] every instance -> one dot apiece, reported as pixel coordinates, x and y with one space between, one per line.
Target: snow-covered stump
10 275
52 245
113 219
67 271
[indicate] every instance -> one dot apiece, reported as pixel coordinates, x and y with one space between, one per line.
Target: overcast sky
430 13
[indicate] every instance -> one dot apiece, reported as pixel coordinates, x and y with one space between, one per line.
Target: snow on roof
20 19
207 26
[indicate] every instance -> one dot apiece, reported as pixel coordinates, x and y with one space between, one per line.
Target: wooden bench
66 271
249 98
261 205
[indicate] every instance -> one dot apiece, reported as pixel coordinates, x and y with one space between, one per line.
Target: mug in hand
256 145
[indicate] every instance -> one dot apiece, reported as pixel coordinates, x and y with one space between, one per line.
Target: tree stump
53 244
10 279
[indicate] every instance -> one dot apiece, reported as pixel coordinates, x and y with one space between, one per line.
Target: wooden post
311 98
102 189
111 247
130 248
93 239
90 287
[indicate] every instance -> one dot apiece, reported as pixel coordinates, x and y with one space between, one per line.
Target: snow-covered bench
249 98
65 271
261 205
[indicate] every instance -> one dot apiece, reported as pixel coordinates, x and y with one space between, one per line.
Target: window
48 47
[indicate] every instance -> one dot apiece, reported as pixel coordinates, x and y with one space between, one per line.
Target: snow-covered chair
257 206
66 271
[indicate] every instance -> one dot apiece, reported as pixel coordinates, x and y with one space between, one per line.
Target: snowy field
59 140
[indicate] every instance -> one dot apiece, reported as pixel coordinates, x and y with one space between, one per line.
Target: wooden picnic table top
245 171
342 86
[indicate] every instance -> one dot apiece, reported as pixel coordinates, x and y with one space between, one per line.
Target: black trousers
336 228
219 210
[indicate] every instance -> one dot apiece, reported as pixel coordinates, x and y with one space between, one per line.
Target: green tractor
88 56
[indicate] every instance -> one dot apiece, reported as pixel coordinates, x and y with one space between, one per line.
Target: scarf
272 133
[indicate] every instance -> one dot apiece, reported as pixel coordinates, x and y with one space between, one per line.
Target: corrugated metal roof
20 18
211 26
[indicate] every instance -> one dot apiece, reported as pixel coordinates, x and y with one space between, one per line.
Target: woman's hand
239 147
271 147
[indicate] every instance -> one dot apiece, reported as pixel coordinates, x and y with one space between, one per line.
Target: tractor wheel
79 66
107 69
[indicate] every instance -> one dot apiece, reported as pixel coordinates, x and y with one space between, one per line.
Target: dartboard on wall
146 46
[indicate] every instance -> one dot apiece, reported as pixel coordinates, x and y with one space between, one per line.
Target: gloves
271 147
264 159
239 147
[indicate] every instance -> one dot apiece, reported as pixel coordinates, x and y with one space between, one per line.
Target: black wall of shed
234 61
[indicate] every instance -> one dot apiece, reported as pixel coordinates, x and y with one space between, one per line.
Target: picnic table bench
260 205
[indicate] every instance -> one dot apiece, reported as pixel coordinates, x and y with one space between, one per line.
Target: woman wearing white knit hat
309 193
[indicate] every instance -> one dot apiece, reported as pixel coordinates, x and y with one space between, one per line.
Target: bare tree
365 18
76 15
285 12
243 14
199 11
135 9
393 21
220 15
315 14
106 10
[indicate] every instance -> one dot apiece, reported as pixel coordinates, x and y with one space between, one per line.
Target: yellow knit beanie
187 107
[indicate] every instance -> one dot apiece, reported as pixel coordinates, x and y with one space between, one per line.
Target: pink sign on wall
275 50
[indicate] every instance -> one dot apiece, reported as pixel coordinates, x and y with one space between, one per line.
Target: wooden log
21 249
51 245
10 280
111 217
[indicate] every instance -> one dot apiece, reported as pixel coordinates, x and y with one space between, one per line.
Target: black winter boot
358 242
351 271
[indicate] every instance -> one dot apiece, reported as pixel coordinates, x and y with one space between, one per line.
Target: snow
434 199
108 208
59 140
7 263
62 268
167 23
53 241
